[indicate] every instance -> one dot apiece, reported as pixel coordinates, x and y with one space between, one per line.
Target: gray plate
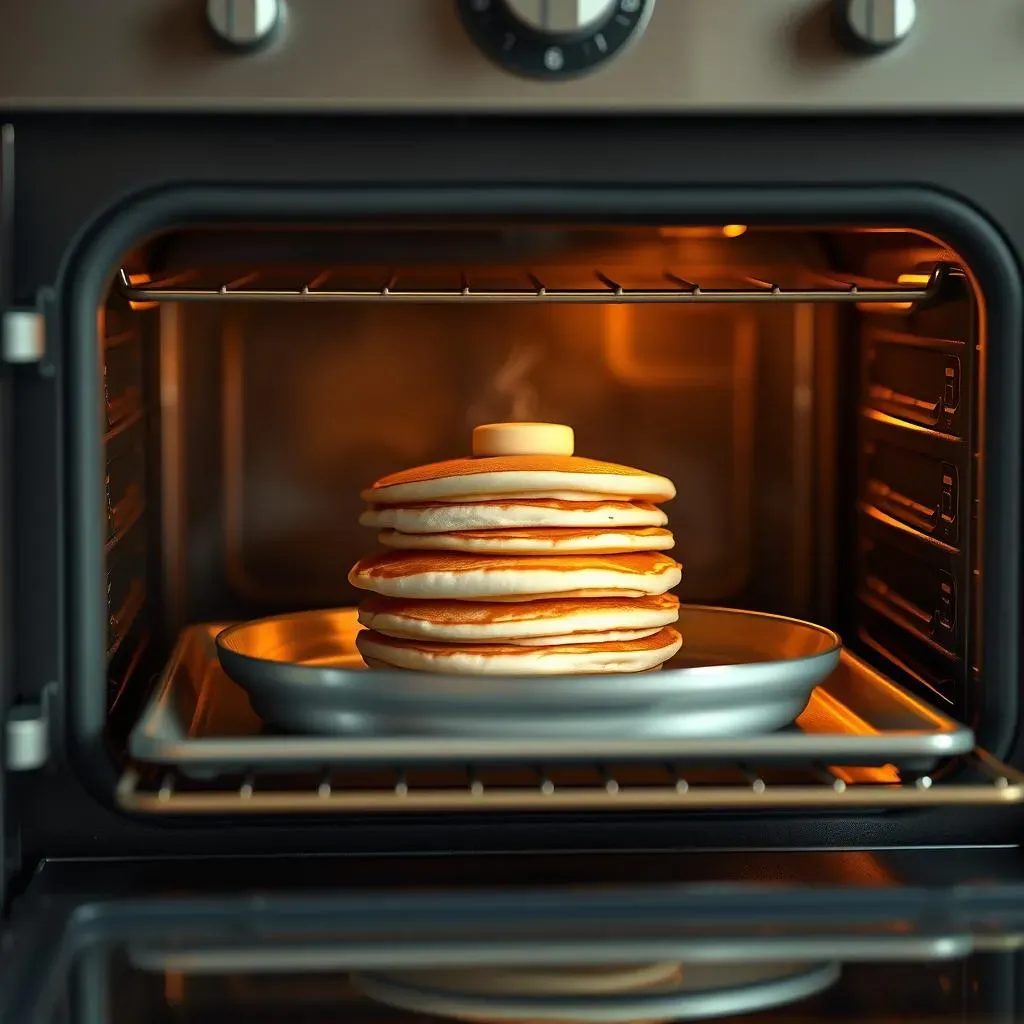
703 990
739 674
201 721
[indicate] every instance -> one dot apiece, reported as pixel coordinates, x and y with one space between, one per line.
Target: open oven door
864 945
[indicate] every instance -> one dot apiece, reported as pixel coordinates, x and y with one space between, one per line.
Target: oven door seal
90 268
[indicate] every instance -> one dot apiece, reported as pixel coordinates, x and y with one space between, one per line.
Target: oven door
489 940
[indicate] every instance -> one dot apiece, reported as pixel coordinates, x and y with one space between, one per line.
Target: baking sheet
198 719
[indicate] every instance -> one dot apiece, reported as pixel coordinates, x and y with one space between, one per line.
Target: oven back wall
283 413
72 170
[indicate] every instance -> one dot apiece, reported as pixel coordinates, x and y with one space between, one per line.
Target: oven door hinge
28 734
23 336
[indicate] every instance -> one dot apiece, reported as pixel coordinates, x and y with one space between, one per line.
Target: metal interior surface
201 721
262 458
740 673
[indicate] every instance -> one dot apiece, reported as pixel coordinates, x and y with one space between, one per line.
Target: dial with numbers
553 38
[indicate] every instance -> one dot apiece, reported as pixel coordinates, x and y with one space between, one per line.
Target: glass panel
869 952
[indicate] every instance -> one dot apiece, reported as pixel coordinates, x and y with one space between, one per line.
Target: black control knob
553 38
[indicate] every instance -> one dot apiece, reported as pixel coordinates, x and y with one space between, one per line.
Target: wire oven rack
974 780
243 768
263 286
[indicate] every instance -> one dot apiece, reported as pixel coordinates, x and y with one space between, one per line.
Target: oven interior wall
284 414
823 453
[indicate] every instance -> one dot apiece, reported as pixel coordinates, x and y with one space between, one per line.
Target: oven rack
197 286
973 780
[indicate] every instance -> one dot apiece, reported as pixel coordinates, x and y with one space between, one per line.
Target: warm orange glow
648 360
702 231
174 988
882 775
915 279
825 713
138 281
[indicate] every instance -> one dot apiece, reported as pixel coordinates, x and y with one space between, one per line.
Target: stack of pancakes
523 560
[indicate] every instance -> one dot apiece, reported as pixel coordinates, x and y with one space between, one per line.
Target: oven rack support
185 287
974 780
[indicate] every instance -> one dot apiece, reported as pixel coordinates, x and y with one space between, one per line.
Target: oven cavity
815 395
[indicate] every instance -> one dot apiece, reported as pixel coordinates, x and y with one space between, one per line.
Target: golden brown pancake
638 655
463 577
517 622
532 476
533 541
511 514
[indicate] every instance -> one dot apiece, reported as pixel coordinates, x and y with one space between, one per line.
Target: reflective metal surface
739 674
199 719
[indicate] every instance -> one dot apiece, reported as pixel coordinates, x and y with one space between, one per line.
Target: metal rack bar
242 288
981 780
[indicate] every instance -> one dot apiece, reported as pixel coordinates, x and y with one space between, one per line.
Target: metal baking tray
200 721
739 673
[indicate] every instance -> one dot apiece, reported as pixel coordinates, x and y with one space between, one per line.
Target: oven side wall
469 164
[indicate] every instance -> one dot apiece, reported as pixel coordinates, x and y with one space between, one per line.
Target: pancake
565 477
462 577
582 638
505 659
523 622
440 517
545 540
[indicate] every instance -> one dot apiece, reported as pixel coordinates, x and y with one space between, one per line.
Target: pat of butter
523 439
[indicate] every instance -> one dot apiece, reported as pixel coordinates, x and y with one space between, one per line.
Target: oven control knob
553 38
244 24
556 17
873 25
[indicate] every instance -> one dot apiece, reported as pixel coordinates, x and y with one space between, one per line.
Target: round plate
739 673
695 992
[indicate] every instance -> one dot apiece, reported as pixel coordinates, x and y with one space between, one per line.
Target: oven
257 256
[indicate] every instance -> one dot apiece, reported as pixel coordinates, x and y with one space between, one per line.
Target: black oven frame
90 187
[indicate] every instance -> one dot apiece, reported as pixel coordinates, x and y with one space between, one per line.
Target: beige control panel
437 55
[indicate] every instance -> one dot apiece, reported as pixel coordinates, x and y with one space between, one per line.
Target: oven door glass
863 947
